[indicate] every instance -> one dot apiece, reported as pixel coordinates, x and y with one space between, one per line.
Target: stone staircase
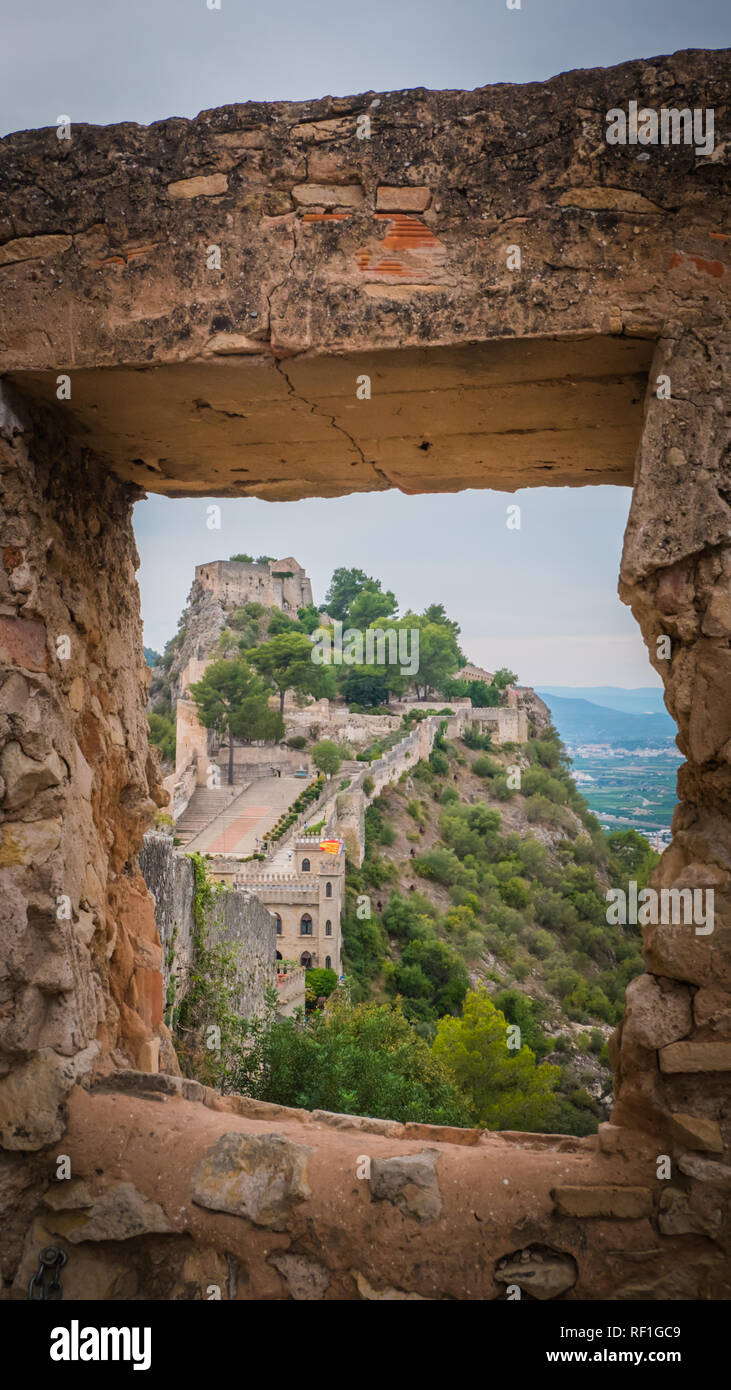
205 805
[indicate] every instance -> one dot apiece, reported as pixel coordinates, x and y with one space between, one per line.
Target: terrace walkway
246 818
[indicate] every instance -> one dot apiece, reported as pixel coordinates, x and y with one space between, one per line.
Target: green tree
504 677
321 981
371 604
630 857
366 1060
327 756
309 617
281 622
286 661
364 685
507 1089
437 613
345 586
439 654
443 970
243 559
233 700
162 734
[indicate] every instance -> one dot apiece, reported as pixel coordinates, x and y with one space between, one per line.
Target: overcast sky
542 599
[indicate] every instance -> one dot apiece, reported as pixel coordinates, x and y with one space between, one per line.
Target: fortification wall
236 919
191 740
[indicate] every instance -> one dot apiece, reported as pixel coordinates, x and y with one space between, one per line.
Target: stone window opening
328 962
328 927
278 921
328 890
649 1071
306 925
305 866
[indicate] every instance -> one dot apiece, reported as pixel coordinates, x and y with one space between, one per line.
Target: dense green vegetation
526 917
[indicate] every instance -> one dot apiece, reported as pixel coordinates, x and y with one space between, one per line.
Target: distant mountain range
644 699
618 717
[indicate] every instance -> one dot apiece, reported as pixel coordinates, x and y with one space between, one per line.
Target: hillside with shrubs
474 883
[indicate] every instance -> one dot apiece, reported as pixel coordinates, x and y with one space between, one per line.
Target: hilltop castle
275 583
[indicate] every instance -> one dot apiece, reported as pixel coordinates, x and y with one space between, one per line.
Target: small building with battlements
305 898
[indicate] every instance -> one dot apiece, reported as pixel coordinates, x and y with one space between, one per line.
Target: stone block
119 1213
26 777
148 1057
259 1176
32 248
657 1012
201 186
696 1132
682 1214
32 1095
307 1280
696 1057
712 1010
624 1203
392 1129
542 1273
392 199
29 842
410 1182
23 644
324 195
705 1170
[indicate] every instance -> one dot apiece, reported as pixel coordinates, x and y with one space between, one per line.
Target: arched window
328 963
279 955
278 921
306 925
305 866
306 960
328 890
328 927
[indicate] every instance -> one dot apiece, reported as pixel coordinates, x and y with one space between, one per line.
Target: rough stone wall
298 204
674 1051
80 966
191 740
506 725
274 1203
237 919
170 879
